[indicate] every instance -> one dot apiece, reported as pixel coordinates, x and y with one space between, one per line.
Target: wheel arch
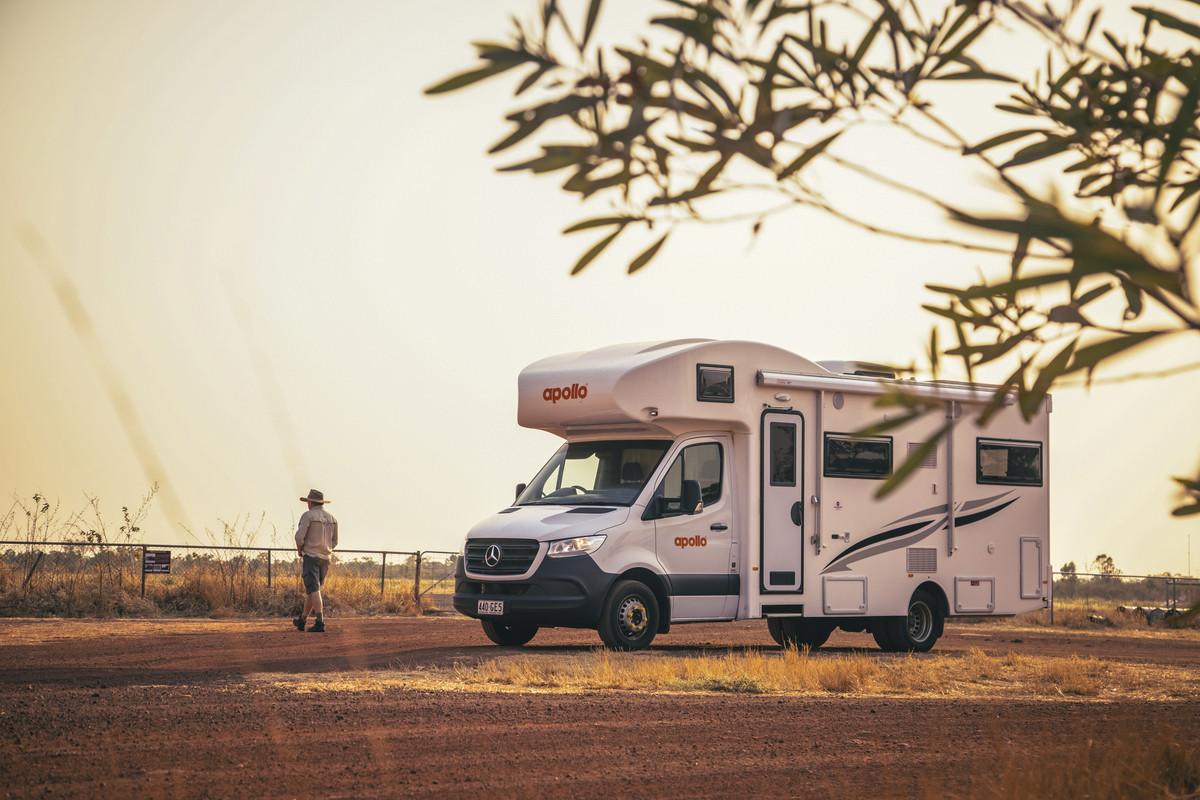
938 594
657 584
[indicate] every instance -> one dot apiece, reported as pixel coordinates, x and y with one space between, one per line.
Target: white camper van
708 480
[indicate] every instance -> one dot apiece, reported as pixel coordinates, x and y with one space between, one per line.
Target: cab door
782 535
695 548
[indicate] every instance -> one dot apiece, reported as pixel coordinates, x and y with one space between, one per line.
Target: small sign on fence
156 562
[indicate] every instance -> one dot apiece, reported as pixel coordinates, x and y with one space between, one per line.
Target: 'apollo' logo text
691 541
572 392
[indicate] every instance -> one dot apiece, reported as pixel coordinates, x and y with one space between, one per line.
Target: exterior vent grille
930 459
922 559
511 556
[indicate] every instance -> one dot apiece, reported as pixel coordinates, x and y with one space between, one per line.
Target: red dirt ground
217 708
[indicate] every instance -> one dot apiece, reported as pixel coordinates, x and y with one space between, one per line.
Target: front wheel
508 635
917 632
630 617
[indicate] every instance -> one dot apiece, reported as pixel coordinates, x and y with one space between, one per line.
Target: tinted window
595 473
783 454
1011 463
714 384
854 457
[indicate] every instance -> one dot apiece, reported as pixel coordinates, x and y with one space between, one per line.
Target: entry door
782 537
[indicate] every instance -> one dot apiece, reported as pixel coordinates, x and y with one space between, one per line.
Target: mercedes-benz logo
491 556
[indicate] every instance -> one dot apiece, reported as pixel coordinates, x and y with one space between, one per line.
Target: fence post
417 583
143 572
268 568
382 573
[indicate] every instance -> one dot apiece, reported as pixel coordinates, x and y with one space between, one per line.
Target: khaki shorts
313 573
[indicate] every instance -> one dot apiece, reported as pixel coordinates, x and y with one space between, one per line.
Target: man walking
315 539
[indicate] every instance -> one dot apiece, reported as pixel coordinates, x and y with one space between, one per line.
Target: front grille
516 556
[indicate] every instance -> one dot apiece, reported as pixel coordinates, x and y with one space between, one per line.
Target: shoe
318 627
299 622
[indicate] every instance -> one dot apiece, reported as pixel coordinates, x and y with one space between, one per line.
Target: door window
783 454
698 462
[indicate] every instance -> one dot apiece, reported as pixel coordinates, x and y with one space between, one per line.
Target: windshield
595 474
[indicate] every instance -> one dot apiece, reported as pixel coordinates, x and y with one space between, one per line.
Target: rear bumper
564 592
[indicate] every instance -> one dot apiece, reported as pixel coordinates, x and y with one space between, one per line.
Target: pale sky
297 271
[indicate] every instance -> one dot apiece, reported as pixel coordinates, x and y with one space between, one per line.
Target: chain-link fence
75 578
1155 597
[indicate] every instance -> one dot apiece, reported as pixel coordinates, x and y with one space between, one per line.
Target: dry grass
974 674
209 589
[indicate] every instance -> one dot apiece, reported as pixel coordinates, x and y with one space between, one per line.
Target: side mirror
521 487
689 501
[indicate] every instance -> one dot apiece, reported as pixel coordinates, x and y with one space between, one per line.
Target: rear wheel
508 635
630 616
917 632
799 632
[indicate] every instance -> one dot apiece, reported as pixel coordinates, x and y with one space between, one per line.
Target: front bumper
563 592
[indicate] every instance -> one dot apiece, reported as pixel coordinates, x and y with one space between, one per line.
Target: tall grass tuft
1167 765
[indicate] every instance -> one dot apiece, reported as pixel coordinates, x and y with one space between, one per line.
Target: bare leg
313 601
308 606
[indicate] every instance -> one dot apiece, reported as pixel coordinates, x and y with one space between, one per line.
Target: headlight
573 547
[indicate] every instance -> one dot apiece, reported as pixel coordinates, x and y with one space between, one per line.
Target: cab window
698 462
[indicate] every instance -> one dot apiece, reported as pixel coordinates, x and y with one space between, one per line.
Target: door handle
718 526
797 513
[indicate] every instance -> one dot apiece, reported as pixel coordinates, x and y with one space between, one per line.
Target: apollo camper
708 480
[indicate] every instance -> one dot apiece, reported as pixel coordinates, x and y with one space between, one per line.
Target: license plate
491 607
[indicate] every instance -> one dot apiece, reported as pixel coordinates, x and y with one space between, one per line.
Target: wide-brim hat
314 496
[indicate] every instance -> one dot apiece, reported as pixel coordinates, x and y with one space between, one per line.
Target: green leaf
530 119
973 75
597 222
1050 146
1090 357
1187 510
589 26
648 254
688 28
807 156
1168 21
1003 138
914 460
595 250
1094 294
462 79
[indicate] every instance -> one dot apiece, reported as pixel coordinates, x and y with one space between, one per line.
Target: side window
849 456
1008 462
698 462
714 383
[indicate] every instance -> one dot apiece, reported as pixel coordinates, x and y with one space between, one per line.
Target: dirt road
252 708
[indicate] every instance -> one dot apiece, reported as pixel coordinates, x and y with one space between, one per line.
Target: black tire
881 630
508 635
917 632
775 628
630 617
798 632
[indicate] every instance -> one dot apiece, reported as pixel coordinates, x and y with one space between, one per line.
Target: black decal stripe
959 522
967 519
881 537
698 585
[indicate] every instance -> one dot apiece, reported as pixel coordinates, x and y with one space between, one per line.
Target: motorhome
706 480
